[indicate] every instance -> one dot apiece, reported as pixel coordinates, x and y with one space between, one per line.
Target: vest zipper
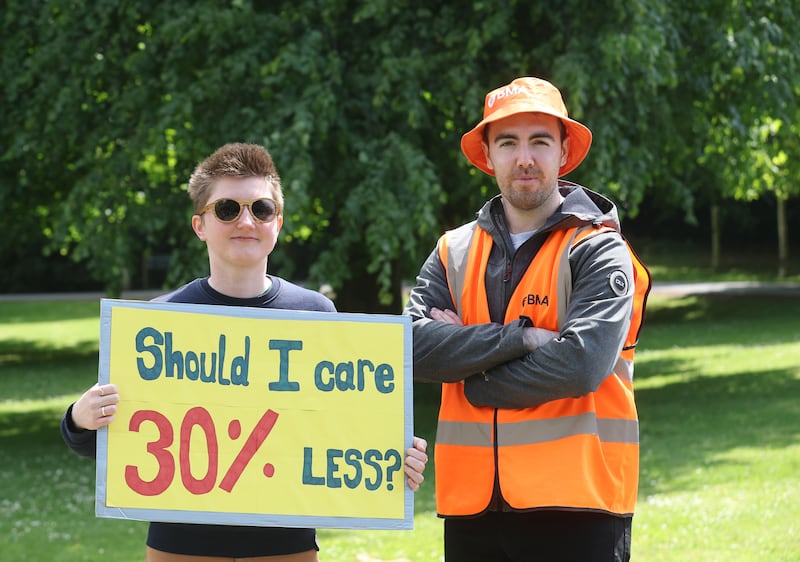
507 276
497 494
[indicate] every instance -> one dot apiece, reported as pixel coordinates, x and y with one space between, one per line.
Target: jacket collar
581 206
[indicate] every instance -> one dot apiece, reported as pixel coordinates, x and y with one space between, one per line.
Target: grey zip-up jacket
491 358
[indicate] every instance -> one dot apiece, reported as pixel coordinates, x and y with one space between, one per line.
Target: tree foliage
108 106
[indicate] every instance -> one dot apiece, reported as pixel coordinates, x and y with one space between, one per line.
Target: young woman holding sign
238 204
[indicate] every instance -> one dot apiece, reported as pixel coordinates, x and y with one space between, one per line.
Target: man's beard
527 200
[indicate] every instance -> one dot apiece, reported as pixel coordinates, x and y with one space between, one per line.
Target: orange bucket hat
527 95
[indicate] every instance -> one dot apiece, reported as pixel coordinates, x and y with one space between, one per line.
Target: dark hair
233 160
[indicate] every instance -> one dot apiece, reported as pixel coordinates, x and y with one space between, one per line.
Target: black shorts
546 536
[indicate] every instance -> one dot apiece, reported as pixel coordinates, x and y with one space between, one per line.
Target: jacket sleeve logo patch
619 283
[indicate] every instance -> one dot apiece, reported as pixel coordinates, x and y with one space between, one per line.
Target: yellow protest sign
254 416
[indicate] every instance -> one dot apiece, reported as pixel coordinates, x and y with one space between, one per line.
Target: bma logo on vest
535 300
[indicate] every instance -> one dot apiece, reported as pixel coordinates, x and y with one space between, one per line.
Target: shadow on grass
55 311
720 319
35 354
691 425
35 374
693 420
34 369
31 429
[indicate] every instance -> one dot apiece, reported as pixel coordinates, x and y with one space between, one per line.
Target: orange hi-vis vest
573 453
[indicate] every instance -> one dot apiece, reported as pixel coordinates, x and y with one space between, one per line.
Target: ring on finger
103 411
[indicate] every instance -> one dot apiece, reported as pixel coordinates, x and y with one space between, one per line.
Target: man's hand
447 316
537 337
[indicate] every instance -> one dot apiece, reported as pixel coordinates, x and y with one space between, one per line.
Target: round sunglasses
229 210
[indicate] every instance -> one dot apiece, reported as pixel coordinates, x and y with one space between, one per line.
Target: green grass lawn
717 386
717 380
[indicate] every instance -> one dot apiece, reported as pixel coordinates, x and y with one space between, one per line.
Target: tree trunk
715 236
783 237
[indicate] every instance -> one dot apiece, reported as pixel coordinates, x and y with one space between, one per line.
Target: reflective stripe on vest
591 442
473 434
